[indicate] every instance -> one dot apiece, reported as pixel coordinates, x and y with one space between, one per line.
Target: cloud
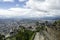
17 5
54 4
44 8
46 4
13 12
35 8
22 0
8 0
37 4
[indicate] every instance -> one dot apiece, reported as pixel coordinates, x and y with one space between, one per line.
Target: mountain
51 18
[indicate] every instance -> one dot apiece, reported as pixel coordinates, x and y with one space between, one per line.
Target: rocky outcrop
52 34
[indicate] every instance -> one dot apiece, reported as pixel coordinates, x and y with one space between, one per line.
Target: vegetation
23 34
38 29
2 37
37 23
57 23
26 35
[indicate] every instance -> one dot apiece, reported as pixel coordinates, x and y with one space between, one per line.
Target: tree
37 23
2 37
38 29
46 22
58 22
22 27
55 23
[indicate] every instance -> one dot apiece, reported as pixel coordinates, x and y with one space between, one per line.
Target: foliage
46 22
57 23
37 23
26 35
40 28
2 37
23 35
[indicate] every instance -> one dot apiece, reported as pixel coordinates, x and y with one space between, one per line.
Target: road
38 36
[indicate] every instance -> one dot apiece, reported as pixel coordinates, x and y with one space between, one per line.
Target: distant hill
33 19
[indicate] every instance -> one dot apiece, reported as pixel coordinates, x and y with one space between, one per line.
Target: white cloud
54 4
13 12
17 5
21 0
45 8
37 4
8 0
47 4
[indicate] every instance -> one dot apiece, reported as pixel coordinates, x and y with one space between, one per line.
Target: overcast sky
29 8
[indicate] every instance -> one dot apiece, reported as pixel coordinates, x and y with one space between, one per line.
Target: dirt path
38 36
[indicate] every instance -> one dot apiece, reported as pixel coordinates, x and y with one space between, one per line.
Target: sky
29 8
